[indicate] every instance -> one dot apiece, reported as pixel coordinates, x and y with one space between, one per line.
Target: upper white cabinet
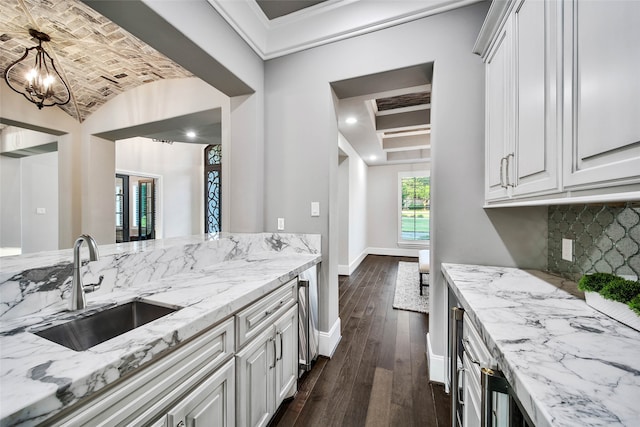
562 100
521 150
497 146
602 92
535 72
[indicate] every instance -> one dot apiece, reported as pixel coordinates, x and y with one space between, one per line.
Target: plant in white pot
614 296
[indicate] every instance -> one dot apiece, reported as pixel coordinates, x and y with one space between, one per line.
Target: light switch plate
41 211
567 249
315 208
280 224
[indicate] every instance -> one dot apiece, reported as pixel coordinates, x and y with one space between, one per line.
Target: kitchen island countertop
39 378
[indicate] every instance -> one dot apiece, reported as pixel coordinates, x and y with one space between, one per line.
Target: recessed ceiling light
351 120
191 134
373 157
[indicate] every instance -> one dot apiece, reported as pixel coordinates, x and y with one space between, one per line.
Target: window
414 204
212 178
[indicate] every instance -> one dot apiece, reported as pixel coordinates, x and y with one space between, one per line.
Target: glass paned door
146 210
122 208
212 197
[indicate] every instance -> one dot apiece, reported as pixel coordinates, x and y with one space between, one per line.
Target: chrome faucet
78 300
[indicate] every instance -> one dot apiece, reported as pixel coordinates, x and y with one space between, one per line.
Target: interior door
122 208
146 210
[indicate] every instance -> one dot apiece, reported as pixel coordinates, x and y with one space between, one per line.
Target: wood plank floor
378 374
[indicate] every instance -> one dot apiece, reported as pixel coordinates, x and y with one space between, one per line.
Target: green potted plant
614 296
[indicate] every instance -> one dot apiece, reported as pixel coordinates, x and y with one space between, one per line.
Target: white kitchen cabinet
212 403
471 395
286 370
562 101
602 93
255 382
267 371
497 106
144 397
535 151
521 150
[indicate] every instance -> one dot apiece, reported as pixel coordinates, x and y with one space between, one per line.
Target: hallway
378 374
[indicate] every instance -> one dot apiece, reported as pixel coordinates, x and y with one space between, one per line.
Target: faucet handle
91 287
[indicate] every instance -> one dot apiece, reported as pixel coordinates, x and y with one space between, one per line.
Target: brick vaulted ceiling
97 58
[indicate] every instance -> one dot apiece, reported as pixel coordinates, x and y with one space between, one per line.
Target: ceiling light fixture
191 134
40 83
164 141
351 120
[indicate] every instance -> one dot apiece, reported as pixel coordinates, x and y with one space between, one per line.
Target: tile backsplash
606 239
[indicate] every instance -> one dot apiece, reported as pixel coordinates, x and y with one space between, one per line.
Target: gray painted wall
301 154
382 204
39 179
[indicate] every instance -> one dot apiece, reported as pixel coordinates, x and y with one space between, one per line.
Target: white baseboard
343 270
394 251
436 364
346 270
328 341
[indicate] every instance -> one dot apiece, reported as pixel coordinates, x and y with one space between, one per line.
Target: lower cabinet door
255 402
287 356
212 403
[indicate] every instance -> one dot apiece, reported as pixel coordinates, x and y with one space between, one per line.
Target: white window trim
410 244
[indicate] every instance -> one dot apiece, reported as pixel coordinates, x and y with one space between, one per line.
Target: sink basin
86 332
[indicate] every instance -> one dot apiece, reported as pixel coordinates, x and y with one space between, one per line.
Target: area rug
407 296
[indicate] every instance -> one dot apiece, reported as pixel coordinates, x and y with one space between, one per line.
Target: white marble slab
569 364
213 278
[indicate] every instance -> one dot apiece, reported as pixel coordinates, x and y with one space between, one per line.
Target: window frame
402 242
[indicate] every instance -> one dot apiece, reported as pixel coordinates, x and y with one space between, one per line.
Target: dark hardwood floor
378 374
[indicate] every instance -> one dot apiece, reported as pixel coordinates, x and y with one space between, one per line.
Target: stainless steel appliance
308 334
499 406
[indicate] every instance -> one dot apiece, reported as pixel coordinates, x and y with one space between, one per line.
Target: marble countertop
39 378
568 364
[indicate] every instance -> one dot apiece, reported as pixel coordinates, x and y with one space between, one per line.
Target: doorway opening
135 208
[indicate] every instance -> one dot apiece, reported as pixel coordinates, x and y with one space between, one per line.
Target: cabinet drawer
253 319
474 346
138 399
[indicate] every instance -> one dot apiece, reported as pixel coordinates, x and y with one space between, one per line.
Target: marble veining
568 364
209 277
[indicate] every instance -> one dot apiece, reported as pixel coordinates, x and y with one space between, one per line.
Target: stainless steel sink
86 332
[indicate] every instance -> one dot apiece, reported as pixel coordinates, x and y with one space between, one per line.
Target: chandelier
35 76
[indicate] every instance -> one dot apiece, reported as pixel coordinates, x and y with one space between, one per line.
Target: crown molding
323 23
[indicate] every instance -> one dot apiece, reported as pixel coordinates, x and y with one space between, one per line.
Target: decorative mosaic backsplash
606 239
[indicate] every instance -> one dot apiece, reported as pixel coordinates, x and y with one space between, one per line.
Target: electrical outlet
567 249
280 224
